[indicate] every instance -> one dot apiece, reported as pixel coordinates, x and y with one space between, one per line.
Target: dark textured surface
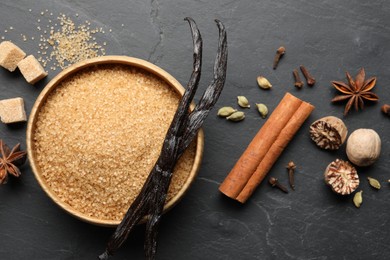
329 37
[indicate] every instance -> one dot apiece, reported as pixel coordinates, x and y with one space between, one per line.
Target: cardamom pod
243 102
374 183
236 116
226 111
263 110
358 199
263 83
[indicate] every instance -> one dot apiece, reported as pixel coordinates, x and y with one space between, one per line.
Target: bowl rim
68 72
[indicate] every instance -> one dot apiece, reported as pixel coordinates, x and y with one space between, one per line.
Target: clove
275 183
386 109
298 82
279 53
291 167
309 78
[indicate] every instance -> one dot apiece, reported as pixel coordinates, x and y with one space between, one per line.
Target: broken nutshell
328 132
10 160
342 177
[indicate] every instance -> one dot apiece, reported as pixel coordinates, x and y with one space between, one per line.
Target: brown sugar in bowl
95 132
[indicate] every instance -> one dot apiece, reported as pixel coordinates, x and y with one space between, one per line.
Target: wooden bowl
107 60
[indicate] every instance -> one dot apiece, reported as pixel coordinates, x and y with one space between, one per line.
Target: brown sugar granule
99 134
68 43
64 40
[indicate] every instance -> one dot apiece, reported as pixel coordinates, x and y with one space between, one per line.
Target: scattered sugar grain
70 43
99 134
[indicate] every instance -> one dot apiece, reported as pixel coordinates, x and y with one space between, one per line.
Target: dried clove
298 82
386 109
309 78
291 168
275 183
279 53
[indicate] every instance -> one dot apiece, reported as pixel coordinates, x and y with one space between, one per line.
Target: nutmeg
342 177
363 147
328 132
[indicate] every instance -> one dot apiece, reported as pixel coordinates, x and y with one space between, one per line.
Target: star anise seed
10 160
356 91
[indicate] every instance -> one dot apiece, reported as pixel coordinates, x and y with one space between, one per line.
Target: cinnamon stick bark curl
265 148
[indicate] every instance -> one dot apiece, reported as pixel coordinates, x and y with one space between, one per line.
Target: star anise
356 91
10 160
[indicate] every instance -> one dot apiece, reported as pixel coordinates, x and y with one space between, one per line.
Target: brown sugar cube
12 110
10 55
31 69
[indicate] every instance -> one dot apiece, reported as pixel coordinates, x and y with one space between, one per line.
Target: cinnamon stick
265 148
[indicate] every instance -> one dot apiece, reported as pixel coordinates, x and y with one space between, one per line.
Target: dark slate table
329 37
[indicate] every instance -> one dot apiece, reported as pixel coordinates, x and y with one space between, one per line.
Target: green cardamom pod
374 183
236 116
358 199
243 102
226 111
263 83
263 110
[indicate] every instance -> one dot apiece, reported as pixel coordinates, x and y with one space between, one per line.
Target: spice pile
362 149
